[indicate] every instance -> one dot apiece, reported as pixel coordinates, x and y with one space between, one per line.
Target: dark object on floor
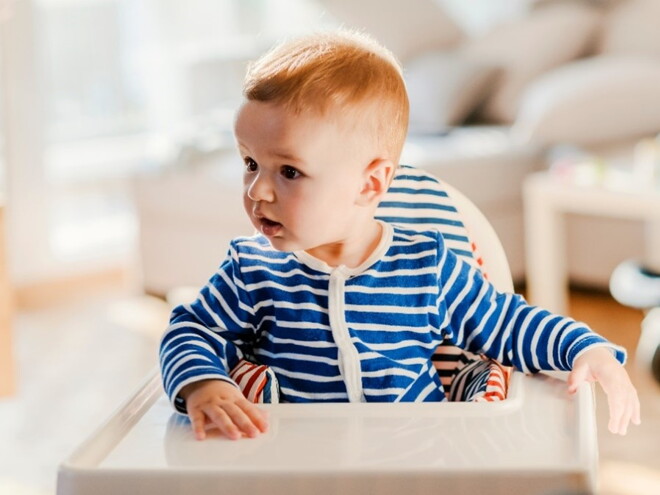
634 285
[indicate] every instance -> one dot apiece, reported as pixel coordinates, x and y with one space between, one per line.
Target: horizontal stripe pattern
291 335
418 201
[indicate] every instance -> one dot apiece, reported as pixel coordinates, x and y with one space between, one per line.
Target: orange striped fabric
257 382
483 380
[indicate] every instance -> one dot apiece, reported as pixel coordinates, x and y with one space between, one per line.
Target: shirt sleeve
204 338
504 326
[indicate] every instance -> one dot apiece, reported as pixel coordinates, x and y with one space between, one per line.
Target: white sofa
566 72
188 215
488 166
584 74
186 219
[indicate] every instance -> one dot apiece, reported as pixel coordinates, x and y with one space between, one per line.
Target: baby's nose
260 188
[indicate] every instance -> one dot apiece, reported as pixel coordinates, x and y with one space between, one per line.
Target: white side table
546 201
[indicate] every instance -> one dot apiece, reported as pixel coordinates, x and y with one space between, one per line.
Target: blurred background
120 185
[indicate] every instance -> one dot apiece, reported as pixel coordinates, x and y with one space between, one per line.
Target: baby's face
303 175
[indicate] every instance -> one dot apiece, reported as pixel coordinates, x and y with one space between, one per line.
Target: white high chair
537 440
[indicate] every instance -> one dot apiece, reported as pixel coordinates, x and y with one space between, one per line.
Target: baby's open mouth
269 227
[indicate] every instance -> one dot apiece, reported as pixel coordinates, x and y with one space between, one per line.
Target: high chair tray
539 440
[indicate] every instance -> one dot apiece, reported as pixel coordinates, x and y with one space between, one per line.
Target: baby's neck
351 252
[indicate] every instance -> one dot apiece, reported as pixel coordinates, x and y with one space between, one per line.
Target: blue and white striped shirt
358 334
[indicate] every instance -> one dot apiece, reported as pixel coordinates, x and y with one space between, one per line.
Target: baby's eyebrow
241 147
285 155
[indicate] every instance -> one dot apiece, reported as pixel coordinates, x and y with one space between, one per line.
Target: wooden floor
78 361
630 464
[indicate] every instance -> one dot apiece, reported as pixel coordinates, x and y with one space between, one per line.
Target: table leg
652 249
7 380
544 250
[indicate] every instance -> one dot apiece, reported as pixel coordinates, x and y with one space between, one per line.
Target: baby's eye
289 172
250 164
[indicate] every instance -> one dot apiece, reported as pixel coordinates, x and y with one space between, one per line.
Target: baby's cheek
247 204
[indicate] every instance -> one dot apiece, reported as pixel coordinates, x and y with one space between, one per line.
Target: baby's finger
631 414
258 417
623 412
637 415
242 420
576 378
617 410
198 421
221 419
624 420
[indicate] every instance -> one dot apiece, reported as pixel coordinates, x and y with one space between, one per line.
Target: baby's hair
341 70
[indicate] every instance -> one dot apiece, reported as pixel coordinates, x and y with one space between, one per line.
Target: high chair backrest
421 201
418 200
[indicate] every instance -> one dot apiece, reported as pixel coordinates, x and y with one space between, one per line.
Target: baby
339 305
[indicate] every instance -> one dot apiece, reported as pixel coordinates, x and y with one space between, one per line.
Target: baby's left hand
598 364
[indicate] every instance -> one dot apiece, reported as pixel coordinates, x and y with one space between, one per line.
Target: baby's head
320 132
337 73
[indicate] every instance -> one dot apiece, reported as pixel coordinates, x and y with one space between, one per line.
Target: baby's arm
506 328
598 364
205 338
220 403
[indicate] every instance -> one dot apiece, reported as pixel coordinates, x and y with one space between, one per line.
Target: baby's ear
377 177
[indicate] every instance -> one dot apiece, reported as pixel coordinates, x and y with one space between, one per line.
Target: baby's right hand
223 405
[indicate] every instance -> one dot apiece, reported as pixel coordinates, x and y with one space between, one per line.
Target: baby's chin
282 244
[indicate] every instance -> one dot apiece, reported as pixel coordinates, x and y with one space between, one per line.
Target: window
117 79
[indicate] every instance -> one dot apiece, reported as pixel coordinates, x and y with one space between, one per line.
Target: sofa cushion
469 157
632 28
592 101
444 88
550 36
407 27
